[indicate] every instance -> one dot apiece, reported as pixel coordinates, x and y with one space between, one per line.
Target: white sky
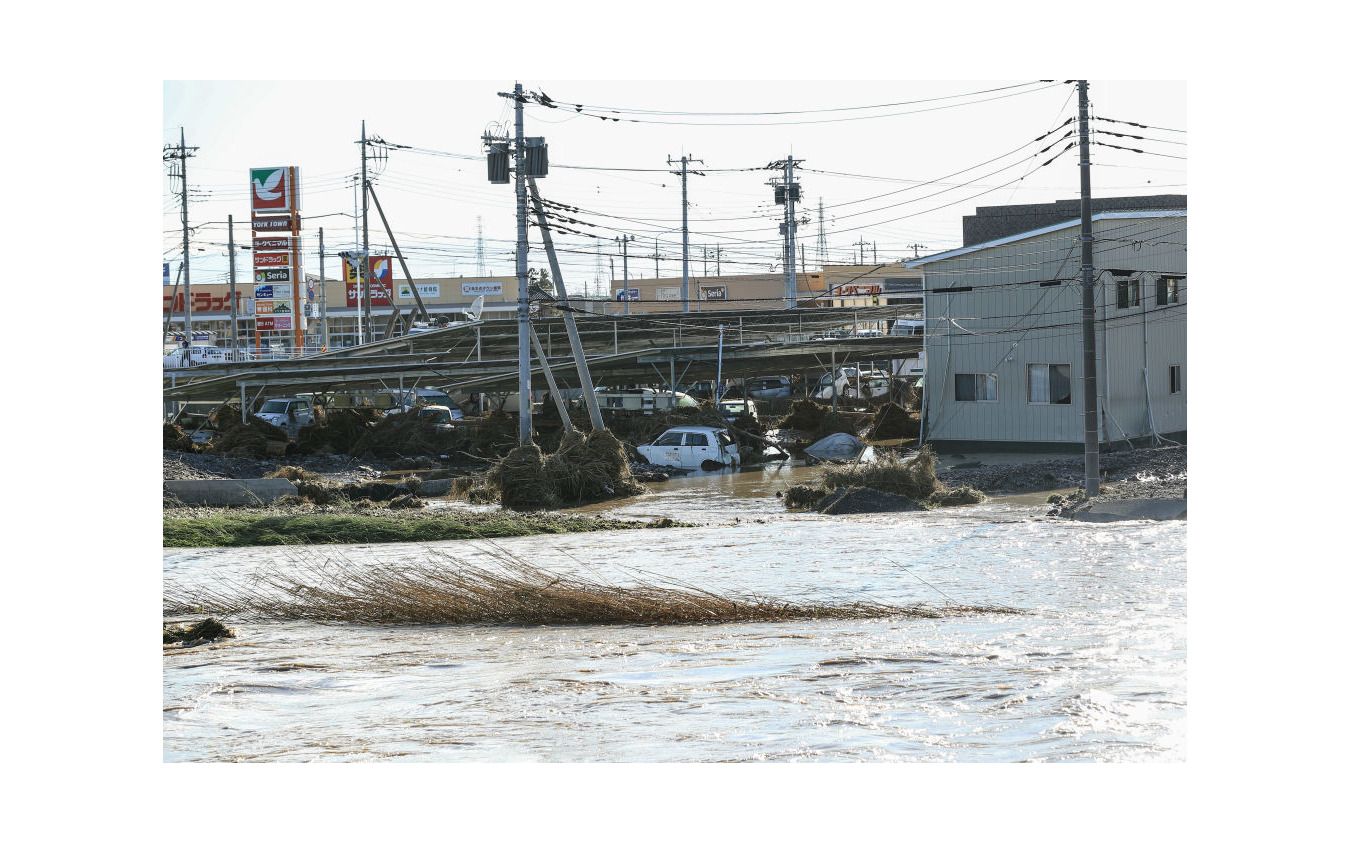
434 202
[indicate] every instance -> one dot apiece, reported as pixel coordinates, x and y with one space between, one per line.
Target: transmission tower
482 262
820 233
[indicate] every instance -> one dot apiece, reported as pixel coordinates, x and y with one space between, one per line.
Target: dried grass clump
190 635
251 439
497 434
451 591
802 496
893 422
589 467
915 477
176 439
957 496
294 473
341 430
806 415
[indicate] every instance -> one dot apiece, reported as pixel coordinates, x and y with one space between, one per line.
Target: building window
1169 290
976 387
1175 377
1127 293
1049 383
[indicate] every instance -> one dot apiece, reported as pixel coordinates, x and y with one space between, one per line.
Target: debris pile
914 478
340 431
589 467
200 633
817 420
256 438
176 439
893 422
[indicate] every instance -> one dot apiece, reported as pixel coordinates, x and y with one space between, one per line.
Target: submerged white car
691 447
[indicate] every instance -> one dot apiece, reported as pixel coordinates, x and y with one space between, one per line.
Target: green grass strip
236 530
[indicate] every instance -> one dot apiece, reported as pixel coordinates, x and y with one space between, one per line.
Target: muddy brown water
1094 670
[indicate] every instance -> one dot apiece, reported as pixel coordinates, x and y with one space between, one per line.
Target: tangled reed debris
199 633
451 591
586 467
914 478
892 421
176 439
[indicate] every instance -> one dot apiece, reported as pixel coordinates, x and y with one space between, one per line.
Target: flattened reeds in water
451 591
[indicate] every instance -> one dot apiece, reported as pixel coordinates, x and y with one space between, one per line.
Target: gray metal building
1003 348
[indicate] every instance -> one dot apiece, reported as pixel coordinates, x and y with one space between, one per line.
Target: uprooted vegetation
585 468
446 590
914 478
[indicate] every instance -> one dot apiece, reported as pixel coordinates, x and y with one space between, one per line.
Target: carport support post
834 384
243 402
552 385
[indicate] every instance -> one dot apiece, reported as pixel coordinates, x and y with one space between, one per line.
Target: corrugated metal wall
1016 314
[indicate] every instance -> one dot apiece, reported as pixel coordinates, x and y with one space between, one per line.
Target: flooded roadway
1095 669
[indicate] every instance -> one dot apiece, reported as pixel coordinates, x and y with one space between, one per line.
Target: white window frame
1048 402
987 379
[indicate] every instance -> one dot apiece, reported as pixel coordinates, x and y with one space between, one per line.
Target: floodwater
1095 668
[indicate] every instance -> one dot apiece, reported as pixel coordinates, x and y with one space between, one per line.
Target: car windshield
733 407
436 414
274 406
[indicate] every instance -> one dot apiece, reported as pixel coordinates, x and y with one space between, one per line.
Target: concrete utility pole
1091 473
790 300
234 302
522 272
684 226
323 297
624 240
916 247
862 256
183 152
364 270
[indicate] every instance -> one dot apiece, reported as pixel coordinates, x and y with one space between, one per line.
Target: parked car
410 398
775 387
440 415
290 414
692 447
737 410
848 379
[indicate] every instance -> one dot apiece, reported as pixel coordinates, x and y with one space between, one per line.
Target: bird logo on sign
269 189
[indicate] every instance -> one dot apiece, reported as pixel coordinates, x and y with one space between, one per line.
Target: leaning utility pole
182 152
684 225
1091 474
234 302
